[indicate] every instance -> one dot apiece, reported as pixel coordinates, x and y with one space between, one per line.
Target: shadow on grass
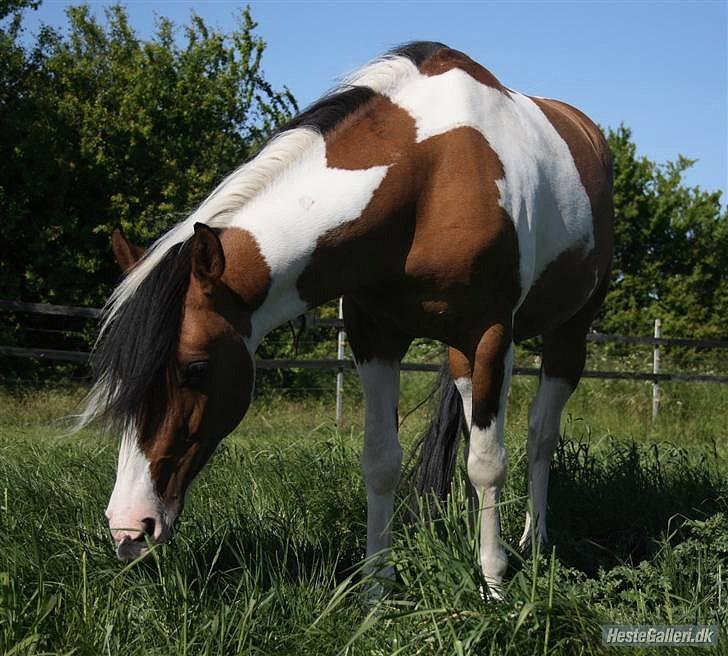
276 556
614 507
606 509
292 517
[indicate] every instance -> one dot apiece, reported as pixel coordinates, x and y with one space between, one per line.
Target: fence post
340 373
656 370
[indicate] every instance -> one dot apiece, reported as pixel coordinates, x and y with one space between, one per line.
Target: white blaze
134 499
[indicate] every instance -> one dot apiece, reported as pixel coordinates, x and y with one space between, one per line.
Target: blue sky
659 67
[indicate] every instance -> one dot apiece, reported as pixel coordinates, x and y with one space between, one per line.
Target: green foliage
14 10
101 128
671 250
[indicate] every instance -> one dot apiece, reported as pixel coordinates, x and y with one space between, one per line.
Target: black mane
417 51
327 112
133 360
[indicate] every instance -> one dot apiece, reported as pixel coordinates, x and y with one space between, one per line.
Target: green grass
267 557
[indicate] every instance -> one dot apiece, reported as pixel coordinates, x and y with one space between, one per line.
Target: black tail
437 449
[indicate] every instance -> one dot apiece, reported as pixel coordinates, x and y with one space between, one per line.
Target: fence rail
50 309
603 337
80 312
341 364
81 357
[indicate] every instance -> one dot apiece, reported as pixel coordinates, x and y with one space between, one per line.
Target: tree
99 128
671 249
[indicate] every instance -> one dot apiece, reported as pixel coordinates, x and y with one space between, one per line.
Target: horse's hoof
493 592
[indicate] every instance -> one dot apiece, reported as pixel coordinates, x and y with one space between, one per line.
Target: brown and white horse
439 203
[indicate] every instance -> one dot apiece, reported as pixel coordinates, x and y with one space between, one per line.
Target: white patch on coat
541 189
288 218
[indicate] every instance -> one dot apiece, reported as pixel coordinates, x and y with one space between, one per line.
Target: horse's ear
208 259
126 253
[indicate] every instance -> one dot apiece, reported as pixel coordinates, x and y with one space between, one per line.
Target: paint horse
439 203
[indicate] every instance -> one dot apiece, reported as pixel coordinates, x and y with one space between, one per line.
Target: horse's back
552 169
513 204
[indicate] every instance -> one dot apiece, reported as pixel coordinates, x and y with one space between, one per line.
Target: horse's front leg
382 454
378 349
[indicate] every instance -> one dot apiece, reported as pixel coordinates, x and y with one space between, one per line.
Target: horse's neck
309 226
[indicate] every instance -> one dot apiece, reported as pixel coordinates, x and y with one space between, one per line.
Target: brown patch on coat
460 365
562 288
489 372
246 273
427 204
379 133
446 59
484 364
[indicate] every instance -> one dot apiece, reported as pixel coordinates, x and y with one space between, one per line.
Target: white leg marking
382 455
465 387
544 422
487 465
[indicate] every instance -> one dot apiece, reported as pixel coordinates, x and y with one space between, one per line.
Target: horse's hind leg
562 363
483 378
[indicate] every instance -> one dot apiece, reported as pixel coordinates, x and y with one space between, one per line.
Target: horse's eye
195 375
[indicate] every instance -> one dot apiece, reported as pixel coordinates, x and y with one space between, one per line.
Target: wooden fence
340 363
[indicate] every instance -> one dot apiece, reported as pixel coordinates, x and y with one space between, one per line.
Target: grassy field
268 554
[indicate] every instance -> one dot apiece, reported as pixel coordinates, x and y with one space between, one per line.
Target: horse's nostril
148 525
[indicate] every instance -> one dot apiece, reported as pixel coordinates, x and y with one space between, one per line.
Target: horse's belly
560 291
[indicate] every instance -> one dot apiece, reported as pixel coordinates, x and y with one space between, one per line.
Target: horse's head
174 371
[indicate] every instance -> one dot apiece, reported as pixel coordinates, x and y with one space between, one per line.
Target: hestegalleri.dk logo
660 635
